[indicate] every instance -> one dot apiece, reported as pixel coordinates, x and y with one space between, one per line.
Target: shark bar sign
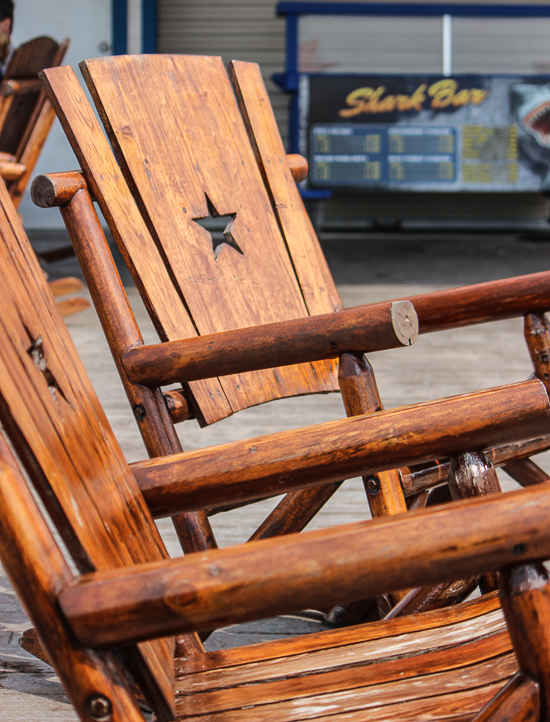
464 133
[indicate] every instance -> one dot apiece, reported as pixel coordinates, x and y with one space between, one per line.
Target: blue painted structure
288 80
119 11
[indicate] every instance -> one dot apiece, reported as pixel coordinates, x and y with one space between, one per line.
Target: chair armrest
363 329
335 450
483 302
277 576
10 170
298 166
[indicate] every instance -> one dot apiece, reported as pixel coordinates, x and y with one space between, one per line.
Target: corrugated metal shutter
234 29
249 30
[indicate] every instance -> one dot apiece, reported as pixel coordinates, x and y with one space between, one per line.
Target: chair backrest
26 114
193 143
57 427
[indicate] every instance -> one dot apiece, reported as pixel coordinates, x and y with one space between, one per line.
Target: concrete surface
372 268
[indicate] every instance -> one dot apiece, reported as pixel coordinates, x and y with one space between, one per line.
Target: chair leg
360 396
526 472
525 599
518 701
473 475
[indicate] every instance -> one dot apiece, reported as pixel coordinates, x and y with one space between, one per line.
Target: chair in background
26 117
252 316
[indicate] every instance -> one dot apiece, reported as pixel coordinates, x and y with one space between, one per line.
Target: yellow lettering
357 99
461 98
386 105
401 102
442 92
417 98
373 104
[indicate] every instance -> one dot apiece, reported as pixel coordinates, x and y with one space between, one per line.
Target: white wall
88 24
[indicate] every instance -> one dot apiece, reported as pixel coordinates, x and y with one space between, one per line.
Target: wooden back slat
141 254
173 145
57 426
316 282
26 62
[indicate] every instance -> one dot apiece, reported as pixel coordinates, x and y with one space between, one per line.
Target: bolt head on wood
99 708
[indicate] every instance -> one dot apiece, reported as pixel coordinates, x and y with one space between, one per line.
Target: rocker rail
274 576
270 465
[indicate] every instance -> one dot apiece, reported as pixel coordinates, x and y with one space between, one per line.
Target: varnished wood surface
366 329
26 115
133 238
268 465
207 274
460 370
359 682
483 302
425 476
519 701
317 284
38 571
359 561
55 422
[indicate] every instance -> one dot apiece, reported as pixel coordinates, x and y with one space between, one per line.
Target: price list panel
366 155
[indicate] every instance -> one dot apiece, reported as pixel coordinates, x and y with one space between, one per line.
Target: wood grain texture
472 475
483 302
525 598
357 561
360 396
335 638
38 570
519 701
329 452
318 288
365 328
57 426
121 329
248 279
117 204
526 472
418 478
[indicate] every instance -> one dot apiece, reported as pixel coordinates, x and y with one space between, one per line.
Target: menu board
426 132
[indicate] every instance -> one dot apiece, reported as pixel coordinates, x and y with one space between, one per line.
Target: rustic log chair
187 149
26 117
107 628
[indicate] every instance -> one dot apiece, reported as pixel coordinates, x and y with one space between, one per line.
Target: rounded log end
405 322
43 192
56 189
298 166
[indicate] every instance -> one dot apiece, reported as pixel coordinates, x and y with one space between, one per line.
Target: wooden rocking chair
203 143
107 628
26 117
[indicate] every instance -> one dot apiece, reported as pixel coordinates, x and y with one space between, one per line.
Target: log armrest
11 170
483 302
282 575
362 329
56 189
298 166
357 446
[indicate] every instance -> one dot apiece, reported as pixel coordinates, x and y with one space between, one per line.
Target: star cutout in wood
36 352
228 238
